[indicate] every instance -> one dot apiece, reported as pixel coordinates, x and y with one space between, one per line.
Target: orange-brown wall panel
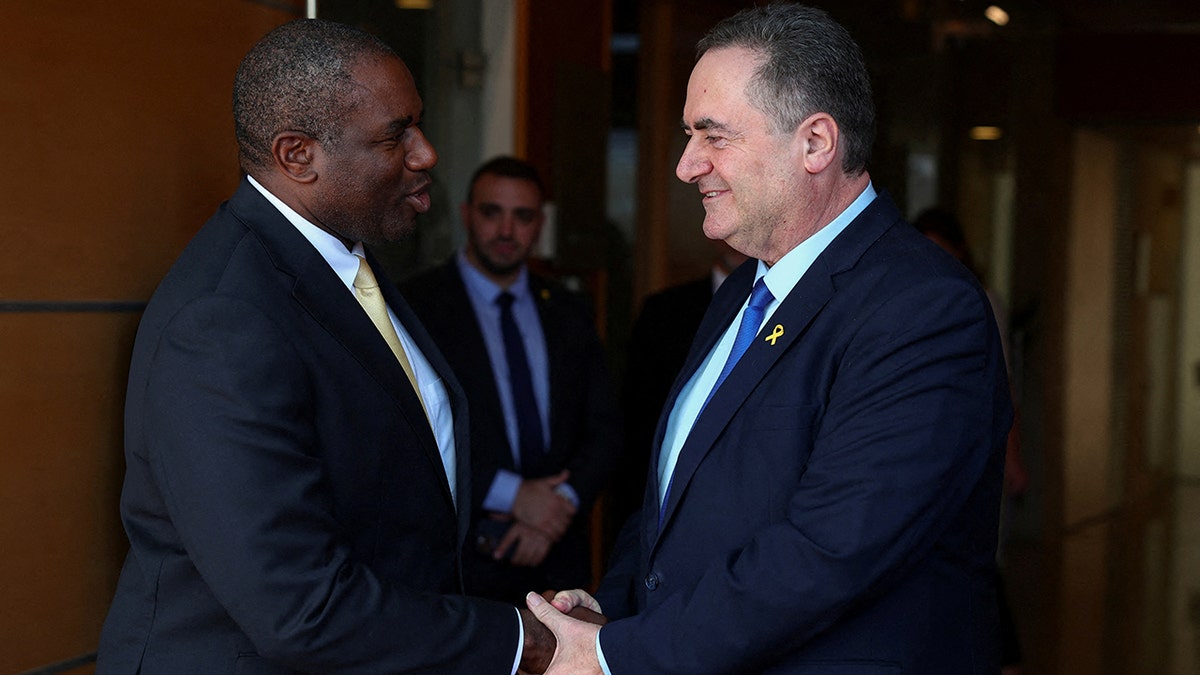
119 137
62 384
119 145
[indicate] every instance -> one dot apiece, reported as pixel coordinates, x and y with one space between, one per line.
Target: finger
559 479
506 542
539 552
585 614
544 611
565 601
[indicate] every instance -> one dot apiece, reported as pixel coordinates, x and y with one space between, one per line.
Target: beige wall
118 145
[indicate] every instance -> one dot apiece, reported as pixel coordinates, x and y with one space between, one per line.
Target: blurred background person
545 430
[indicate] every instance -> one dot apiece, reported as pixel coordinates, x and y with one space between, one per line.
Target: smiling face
375 179
752 180
503 221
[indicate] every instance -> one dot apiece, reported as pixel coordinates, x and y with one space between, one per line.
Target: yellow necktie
366 289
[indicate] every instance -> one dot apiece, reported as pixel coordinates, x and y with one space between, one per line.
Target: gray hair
299 78
809 64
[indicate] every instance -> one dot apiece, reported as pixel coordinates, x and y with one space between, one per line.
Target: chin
714 230
394 232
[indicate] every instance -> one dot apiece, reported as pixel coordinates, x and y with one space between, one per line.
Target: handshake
560 633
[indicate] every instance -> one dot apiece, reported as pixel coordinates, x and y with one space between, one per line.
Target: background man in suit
827 500
296 448
544 428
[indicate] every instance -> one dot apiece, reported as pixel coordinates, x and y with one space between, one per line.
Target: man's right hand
528 545
538 505
577 604
575 600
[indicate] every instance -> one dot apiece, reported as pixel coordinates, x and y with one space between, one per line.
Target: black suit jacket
585 431
835 505
658 346
286 505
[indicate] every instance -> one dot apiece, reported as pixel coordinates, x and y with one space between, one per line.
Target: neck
826 205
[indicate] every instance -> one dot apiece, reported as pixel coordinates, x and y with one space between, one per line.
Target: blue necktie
529 421
760 298
752 318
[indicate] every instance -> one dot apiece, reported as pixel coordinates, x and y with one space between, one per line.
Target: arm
242 467
905 451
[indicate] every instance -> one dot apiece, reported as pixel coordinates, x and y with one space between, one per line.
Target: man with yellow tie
297 486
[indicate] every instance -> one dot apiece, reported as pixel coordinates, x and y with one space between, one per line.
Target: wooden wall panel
120 137
119 146
62 384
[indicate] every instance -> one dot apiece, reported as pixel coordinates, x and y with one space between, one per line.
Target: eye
525 216
489 210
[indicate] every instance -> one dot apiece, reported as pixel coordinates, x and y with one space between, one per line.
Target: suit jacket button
651 581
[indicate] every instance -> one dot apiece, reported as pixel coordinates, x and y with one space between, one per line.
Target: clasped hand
540 506
569 621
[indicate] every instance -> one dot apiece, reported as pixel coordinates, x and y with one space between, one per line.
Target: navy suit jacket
835 506
585 428
285 502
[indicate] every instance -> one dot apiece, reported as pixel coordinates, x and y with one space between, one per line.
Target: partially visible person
545 430
658 346
296 446
825 479
945 230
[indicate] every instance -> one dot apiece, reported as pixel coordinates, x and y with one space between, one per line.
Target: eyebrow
703 123
400 124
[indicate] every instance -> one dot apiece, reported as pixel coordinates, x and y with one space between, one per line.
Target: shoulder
439 284
556 300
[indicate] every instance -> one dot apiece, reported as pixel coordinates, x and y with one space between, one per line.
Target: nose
507 225
692 164
422 156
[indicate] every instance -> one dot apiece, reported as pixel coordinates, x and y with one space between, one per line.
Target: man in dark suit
296 446
824 491
544 428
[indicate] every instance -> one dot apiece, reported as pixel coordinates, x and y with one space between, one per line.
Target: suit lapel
721 311
319 291
460 325
802 305
411 405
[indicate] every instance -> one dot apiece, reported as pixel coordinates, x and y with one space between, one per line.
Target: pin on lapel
775 334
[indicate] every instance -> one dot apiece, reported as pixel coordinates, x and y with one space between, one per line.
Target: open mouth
420 199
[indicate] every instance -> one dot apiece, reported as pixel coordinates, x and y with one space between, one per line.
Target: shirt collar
343 262
785 274
480 286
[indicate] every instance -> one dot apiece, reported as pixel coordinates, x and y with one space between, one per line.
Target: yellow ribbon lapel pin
775 334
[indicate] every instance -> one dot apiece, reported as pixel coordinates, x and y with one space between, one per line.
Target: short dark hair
809 64
299 77
509 167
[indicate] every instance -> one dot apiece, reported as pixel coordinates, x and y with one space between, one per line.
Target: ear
296 154
464 213
819 137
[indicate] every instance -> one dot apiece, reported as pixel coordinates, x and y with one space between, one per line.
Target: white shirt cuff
600 655
520 642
